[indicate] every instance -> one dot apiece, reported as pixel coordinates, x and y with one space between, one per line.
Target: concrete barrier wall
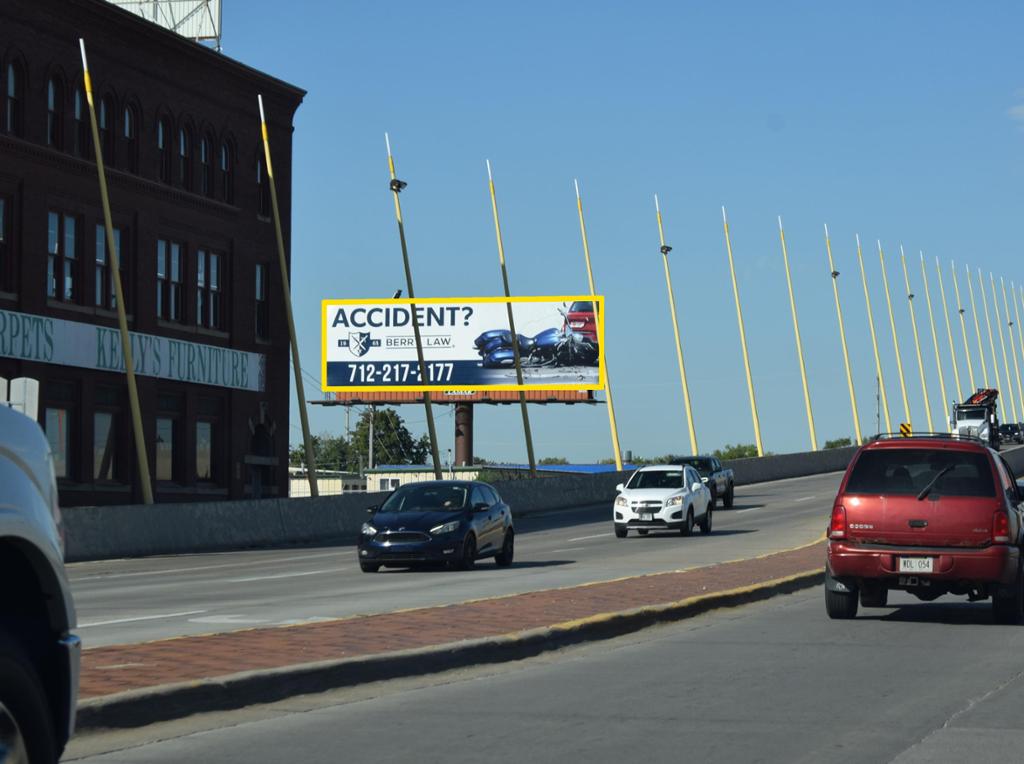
96 533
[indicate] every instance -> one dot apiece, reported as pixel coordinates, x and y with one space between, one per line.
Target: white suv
665 497
39 656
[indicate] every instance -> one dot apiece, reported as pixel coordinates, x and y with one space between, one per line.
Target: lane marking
157 572
276 576
570 549
805 498
587 538
752 509
113 621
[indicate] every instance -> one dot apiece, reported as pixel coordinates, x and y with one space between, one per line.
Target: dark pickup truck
718 478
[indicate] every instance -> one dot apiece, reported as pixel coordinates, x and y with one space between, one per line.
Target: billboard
369 345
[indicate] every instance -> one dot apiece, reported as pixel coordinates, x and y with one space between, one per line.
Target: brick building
180 134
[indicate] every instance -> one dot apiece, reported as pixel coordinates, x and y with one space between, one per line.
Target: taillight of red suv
837 525
1000 527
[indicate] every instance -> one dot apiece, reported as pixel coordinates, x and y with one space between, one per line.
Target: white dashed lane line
139 618
587 538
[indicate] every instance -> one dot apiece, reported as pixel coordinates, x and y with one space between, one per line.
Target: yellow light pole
122 319
512 325
743 337
895 338
665 249
842 340
396 187
874 338
1013 348
607 378
1002 348
917 341
991 340
935 336
977 327
799 344
949 334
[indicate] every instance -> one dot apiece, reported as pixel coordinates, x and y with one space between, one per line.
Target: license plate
646 517
916 564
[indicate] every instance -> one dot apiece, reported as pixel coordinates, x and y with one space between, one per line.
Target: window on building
185 157
206 166
130 133
204 451
165 448
55 113
82 139
227 172
104 445
106 294
57 423
105 120
262 317
62 267
163 141
262 188
168 280
208 288
14 98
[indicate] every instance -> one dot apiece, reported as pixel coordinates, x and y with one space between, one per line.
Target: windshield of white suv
907 471
427 498
656 479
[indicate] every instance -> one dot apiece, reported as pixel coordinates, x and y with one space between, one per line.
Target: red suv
581 319
930 515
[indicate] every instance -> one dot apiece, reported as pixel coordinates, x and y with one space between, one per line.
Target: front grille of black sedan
403 537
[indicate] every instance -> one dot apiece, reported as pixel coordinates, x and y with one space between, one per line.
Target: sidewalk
108 672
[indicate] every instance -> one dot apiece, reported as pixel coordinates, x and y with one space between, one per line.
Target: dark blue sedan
452 521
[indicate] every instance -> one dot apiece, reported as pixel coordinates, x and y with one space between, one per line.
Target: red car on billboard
581 319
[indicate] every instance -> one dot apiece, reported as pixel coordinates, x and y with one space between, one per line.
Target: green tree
392 441
739 451
553 460
838 443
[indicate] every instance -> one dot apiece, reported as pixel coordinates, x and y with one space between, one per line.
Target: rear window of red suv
908 471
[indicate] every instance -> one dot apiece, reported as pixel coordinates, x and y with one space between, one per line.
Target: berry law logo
359 343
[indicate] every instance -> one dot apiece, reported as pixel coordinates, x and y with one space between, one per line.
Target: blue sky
901 121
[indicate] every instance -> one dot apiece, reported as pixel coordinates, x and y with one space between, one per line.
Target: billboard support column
122 319
874 339
607 379
463 434
396 187
842 340
287 290
512 325
743 334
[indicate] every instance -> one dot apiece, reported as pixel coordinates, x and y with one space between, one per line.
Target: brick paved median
110 670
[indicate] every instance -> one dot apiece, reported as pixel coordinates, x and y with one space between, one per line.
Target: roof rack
918 434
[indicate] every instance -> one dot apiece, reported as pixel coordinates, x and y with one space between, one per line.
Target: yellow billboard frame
568 299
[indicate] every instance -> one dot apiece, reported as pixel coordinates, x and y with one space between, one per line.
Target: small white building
328 482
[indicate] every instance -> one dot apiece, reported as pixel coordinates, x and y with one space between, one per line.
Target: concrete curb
138 708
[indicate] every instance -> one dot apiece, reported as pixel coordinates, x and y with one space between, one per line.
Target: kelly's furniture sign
70 343
371 344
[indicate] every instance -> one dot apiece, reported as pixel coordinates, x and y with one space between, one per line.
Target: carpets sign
70 343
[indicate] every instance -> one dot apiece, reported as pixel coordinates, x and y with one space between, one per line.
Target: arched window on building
105 120
14 98
130 134
227 171
262 188
55 113
185 157
163 145
206 166
82 139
